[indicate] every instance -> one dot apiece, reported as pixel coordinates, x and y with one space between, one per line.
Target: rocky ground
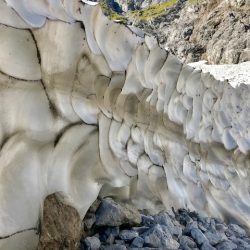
112 226
217 31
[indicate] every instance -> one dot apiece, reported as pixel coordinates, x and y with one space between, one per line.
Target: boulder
60 226
110 213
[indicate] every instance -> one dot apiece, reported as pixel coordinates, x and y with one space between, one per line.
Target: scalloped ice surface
87 106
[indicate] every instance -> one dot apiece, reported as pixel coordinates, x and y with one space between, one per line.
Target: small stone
140 230
183 217
114 247
110 240
198 236
246 239
152 241
92 243
164 219
120 242
201 227
128 235
241 243
204 221
137 242
214 238
110 213
159 238
226 245
189 227
220 227
238 231
147 220
112 230
187 243
207 246
89 220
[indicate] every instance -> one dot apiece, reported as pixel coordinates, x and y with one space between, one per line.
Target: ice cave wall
89 106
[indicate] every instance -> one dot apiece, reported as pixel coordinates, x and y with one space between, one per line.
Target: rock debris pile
109 225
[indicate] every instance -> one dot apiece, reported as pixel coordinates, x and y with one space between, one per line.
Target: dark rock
226 245
110 213
187 32
183 217
147 220
198 236
92 243
128 235
137 242
61 225
111 239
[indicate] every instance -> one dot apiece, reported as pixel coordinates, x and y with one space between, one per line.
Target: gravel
186 230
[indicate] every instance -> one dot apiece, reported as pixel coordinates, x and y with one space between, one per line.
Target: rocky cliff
215 31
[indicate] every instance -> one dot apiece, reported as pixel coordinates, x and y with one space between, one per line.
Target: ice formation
88 106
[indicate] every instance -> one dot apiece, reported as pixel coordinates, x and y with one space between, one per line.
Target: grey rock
89 220
230 234
226 245
140 230
189 227
144 248
164 219
147 220
241 243
128 235
159 238
92 243
220 227
198 236
214 238
110 213
207 246
112 230
111 239
238 231
246 239
137 242
204 221
119 242
114 247
187 243
152 240
201 227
